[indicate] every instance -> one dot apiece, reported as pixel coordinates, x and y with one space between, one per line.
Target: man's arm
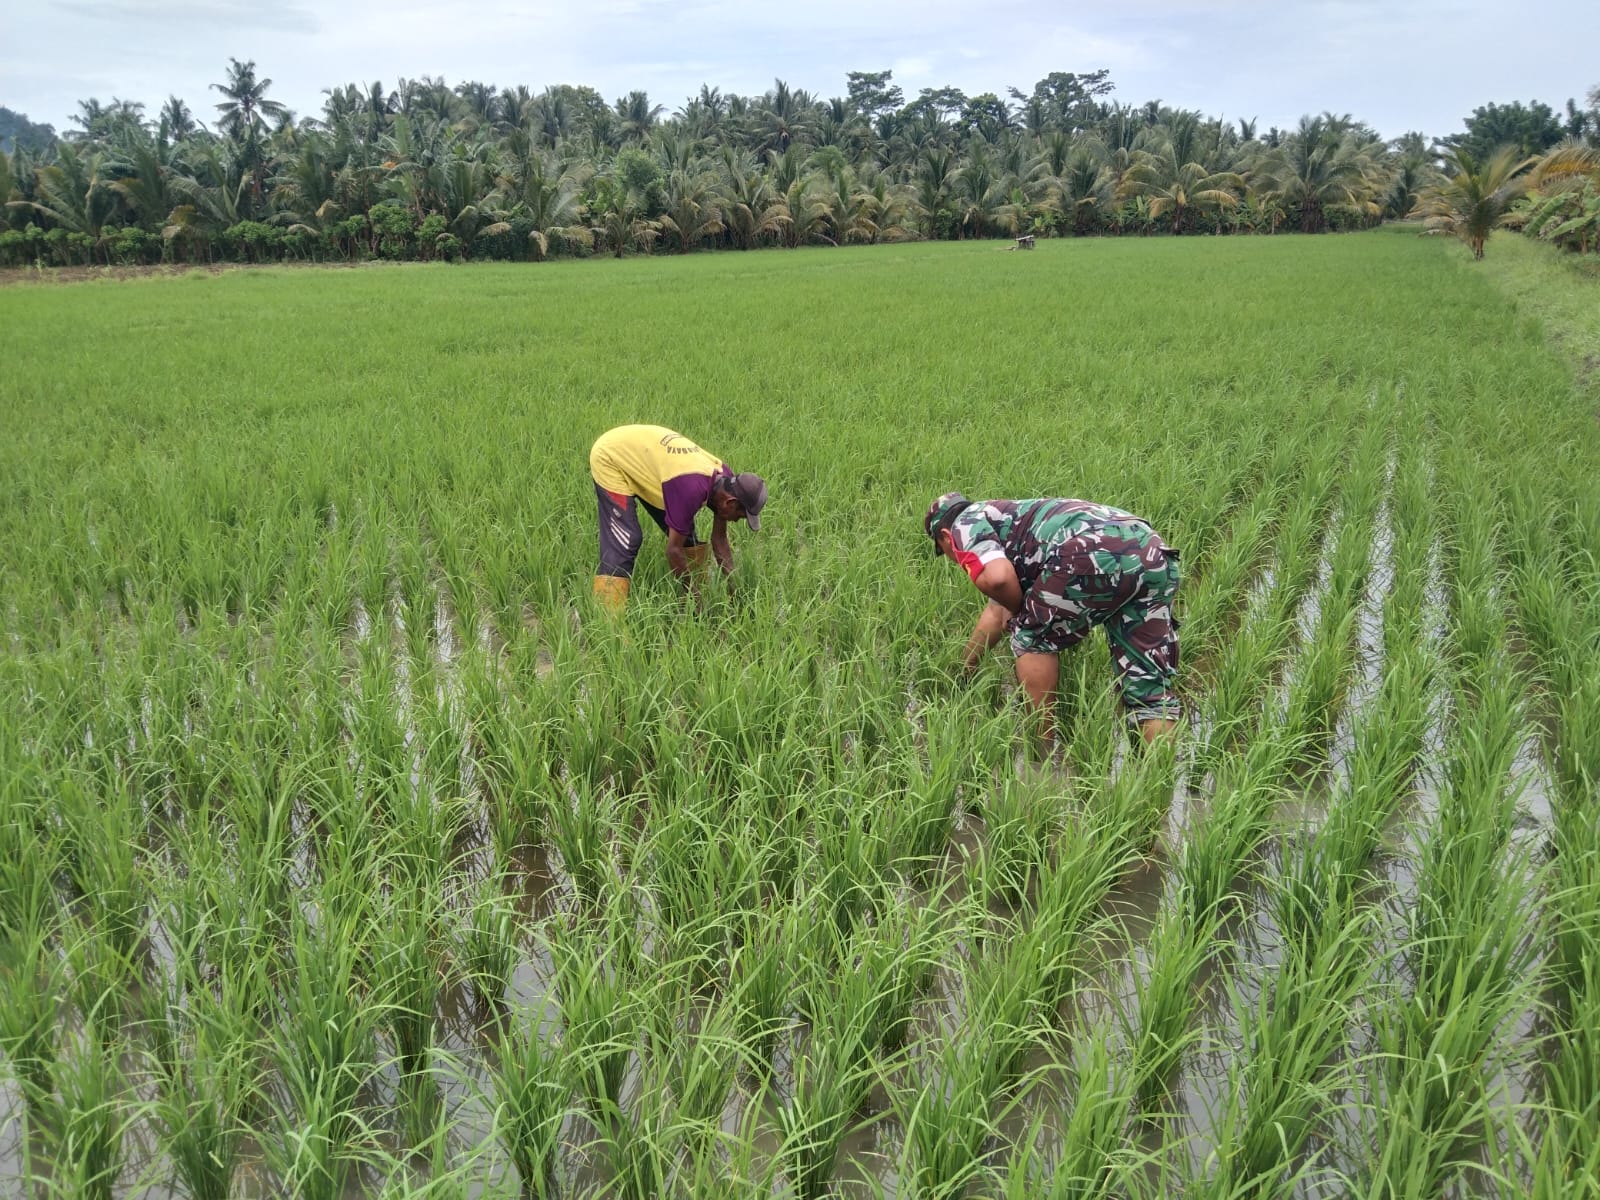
677 558
720 546
998 581
991 627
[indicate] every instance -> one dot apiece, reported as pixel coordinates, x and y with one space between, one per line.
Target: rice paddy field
347 849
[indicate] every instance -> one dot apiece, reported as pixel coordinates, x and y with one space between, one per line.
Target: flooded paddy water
1180 1137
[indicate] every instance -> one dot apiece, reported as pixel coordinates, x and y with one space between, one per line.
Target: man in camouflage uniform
1052 569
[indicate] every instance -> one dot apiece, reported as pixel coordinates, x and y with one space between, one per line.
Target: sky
1423 65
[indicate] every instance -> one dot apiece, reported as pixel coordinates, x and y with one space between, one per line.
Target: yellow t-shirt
661 467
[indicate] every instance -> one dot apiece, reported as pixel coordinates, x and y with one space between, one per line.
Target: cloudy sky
1399 66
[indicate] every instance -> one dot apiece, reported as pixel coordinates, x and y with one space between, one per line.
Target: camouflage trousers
1132 598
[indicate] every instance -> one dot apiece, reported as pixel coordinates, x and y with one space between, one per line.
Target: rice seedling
86 1140
1563 1161
596 978
703 873
204 1067
1094 1156
762 976
1020 820
848 871
406 974
946 1122
920 820
531 1089
697 1055
1469 953
485 944
31 1014
324 1050
100 844
825 1090
1160 1026
581 827
1284 1084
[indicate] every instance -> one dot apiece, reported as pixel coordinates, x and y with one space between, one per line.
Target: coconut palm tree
829 161
214 195
417 154
537 186
8 181
244 111
783 117
146 187
1317 168
177 122
74 193
805 218
703 115
1086 191
616 217
244 104
935 171
1411 170
1474 198
479 101
893 206
369 109
836 123
1179 190
636 116
692 210
852 210
1055 152
786 169
553 115
517 108
752 211
1568 161
980 189
428 93
306 191
678 150
91 119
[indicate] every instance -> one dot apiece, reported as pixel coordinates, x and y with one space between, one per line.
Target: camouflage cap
942 514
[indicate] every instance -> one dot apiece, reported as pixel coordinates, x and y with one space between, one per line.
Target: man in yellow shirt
673 479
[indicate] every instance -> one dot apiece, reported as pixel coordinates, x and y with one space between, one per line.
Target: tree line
429 171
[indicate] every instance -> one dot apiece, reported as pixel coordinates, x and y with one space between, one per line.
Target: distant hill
16 130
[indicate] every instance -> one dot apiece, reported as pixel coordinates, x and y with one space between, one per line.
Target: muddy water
1368 677
13 1153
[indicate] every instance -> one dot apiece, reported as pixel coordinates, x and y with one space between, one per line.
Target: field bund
346 849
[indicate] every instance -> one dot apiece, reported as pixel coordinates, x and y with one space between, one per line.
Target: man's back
639 460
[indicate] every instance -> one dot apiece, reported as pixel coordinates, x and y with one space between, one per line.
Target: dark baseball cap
750 490
942 514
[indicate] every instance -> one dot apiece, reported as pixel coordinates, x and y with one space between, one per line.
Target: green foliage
345 847
514 175
1475 197
1527 129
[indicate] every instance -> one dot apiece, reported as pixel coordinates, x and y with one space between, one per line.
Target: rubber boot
699 557
611 593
